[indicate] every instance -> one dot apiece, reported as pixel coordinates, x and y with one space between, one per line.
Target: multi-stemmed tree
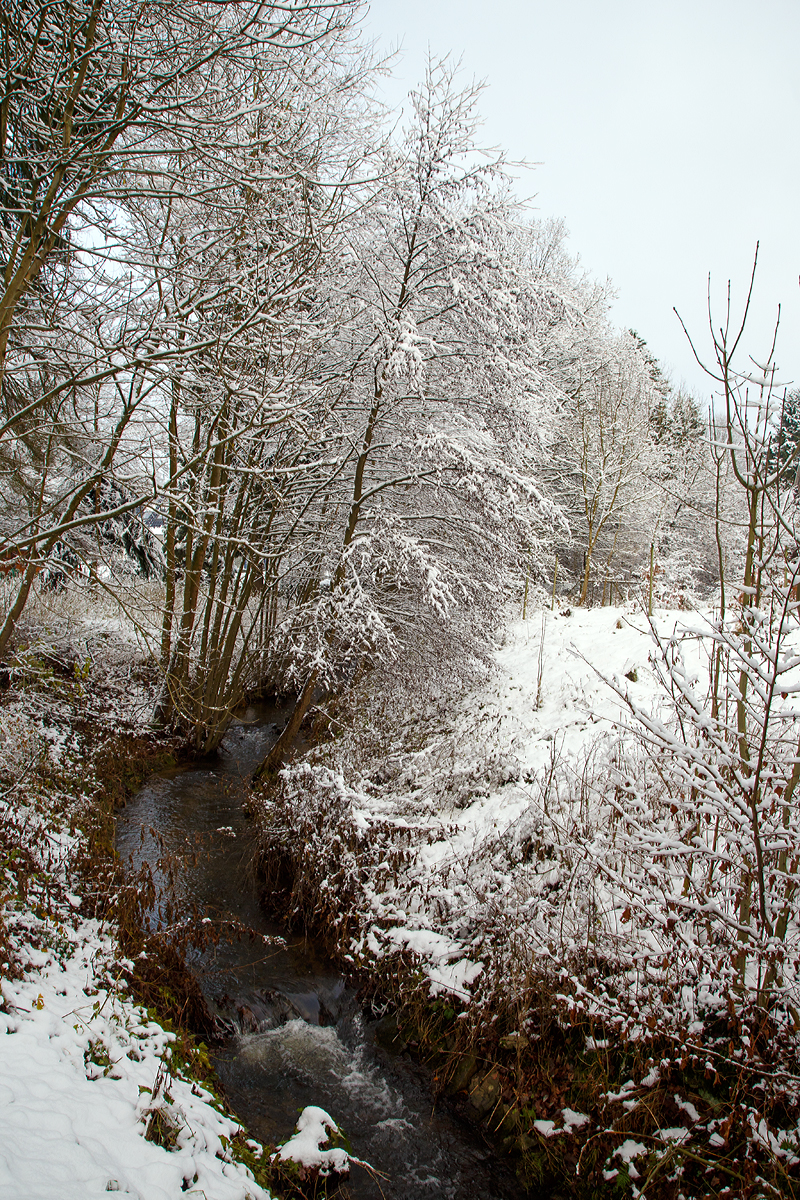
242 262
115 120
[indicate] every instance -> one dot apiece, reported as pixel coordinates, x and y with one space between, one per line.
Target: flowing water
297 1035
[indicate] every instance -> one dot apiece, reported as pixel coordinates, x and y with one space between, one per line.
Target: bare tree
432 504
109 116
600 468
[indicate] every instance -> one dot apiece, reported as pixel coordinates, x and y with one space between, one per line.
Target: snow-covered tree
112 119
600 467
434 500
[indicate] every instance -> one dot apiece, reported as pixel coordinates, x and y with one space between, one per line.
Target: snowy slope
81 1068
445 831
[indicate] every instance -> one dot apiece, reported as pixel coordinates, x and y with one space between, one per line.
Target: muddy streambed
297 1035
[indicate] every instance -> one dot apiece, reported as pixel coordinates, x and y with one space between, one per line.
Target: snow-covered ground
547 709
82 1071
547 705
456 817
84 1074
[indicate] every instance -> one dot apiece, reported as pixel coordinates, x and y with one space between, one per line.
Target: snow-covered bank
85 1077
94 1097
553 876
456 814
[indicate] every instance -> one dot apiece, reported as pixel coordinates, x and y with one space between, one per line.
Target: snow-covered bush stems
721 845
728 760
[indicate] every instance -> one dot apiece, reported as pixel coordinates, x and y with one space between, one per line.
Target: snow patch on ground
82 1069
466 806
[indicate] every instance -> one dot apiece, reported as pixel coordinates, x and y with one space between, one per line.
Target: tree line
322 375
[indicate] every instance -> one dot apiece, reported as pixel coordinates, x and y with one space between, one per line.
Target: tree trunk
169 546
15 612
277 754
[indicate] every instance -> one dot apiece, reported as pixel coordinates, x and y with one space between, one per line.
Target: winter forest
301 402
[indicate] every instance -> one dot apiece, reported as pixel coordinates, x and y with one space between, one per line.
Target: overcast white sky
667 136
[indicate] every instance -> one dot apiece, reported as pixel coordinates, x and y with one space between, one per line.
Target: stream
297 1035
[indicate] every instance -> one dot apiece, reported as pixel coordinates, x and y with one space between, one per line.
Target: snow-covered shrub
22 745
528 866
677 581
715 834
